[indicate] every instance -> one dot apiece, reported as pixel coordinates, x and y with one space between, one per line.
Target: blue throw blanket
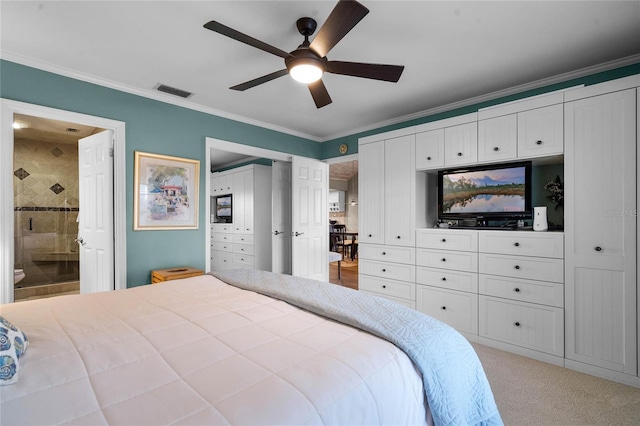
455 384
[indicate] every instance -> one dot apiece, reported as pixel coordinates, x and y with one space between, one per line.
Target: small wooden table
179 272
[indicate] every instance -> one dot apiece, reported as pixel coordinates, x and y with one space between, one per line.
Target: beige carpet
530 392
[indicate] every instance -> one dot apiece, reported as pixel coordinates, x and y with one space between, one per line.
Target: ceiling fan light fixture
306 73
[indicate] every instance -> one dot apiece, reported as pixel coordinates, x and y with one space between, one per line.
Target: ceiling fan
309 61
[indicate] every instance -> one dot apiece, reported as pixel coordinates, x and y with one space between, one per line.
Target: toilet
18 275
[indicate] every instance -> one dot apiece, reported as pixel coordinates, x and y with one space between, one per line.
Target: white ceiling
452 51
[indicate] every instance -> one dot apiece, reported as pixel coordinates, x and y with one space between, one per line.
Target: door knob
298 233
277 232
80 241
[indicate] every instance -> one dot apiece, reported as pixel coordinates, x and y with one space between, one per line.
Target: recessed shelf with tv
222 208
485 196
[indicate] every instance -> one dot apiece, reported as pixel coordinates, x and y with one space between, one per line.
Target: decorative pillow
13 344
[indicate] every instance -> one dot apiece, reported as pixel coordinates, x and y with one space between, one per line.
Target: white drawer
243 238
243 259
221 246
456 308
455 260
223 238
223 228
536 327
380 286
453 280
388 270
542 292
447 239
411 304
532 268
243 248
237 265
387 254
221 260
542 244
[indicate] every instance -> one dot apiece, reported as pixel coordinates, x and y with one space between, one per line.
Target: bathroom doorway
38 233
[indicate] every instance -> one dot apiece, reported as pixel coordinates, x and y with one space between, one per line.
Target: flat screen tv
224 208
488 192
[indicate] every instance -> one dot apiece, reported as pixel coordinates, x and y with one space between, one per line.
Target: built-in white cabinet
601 253
336 200
461 144
430 149
386 235
221 184
497 139
246 241
541 132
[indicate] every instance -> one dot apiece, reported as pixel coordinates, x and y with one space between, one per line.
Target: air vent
173 91
72 130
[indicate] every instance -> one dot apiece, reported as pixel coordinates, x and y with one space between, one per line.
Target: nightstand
161 275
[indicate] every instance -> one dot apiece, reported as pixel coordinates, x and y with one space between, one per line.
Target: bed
241 347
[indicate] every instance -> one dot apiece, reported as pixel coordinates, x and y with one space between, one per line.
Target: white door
281 218
310 225
95 230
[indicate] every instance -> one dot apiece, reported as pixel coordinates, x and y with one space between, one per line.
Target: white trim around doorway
7 110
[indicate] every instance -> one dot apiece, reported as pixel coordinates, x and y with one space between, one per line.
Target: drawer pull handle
517 266
444 278
517 324
429 158
444 308
384 253
598 248
370 235
459 154
538 142
384 286
517 290
398 237
444 240
384 270
517 244
444 260
495 148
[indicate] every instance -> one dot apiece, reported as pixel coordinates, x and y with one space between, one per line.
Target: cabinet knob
459 154
538 142
384 286
496 149
398 237
517 266
384 270
444 259
444 278
517 290
517 324
444 240
384 253
444 308
429 158
370 235
598 248
517 244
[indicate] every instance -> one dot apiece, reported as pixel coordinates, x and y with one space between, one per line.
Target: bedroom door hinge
111 152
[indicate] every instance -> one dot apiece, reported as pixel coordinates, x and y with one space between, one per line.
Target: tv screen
223 206
487 192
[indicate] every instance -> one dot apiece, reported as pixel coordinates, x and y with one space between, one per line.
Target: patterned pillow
13 344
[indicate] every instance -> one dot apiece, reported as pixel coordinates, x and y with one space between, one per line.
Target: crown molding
157 96
560 78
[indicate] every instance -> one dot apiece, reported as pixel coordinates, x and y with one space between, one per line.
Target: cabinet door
540 132
238 201
371 192
249 207
400 191
600 204
430 149
497 138
461 144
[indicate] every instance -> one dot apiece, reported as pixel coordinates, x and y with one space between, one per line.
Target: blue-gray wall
151 126
157 127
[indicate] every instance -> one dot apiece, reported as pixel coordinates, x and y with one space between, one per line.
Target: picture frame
166 191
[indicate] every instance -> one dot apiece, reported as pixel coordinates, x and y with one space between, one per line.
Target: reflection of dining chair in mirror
339 244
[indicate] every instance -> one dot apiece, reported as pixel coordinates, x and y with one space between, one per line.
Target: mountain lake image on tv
491 191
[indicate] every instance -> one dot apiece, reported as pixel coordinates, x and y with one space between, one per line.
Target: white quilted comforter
199 351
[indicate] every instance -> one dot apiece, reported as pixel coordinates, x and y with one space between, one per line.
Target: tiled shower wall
45 209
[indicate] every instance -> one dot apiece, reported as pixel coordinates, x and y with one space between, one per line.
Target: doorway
58 256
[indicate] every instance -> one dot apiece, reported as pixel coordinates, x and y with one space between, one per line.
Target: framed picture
165 192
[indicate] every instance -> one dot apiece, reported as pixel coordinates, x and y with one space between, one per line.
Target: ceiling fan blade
374 71
319 92
342 19
257 81
237 35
